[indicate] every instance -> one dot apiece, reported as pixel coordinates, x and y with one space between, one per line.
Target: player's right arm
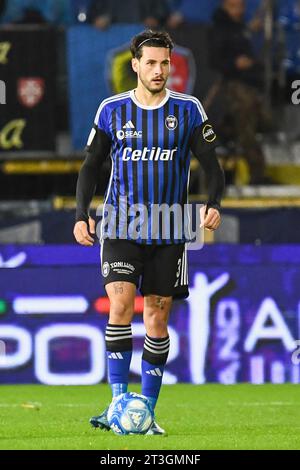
97 150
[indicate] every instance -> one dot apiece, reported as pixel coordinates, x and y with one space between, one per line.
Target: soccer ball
130 413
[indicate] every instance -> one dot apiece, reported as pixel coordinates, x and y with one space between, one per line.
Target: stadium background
242 319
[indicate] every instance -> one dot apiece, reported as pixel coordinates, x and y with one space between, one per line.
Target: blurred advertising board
240 323
27 68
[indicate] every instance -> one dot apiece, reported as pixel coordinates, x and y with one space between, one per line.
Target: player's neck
146 98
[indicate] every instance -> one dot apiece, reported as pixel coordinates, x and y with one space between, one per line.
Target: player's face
153 68
235 9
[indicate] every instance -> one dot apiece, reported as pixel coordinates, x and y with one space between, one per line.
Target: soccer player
148 133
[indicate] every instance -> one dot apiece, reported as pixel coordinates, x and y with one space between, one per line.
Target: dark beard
156 91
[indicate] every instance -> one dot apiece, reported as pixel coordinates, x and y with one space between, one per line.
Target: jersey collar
162 103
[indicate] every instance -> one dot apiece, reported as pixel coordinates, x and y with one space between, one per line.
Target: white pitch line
260 403
235 404
6 405
64 405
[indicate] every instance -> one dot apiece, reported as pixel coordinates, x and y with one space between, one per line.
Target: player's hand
210 220
81 232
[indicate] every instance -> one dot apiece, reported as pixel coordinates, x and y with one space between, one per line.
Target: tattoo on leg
119 287
160 302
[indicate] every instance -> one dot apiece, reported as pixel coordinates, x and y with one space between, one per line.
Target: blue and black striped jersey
150 152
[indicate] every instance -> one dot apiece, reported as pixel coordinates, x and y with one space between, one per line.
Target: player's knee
120 313
156 324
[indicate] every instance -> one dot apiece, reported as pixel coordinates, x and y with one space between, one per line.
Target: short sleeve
203 137
199 116
102 118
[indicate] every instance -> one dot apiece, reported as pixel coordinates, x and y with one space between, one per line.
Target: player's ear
134 64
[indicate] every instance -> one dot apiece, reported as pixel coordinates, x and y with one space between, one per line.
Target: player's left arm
203 143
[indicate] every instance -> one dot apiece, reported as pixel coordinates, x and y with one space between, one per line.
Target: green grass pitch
195 417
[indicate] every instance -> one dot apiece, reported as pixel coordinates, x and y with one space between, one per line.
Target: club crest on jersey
171 122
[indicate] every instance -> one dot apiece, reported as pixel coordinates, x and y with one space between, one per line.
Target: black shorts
154 269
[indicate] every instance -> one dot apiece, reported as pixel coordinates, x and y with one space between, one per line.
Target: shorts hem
179 296
105 283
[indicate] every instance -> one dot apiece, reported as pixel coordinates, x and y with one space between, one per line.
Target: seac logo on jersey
208 133
121 135
171 123
129 133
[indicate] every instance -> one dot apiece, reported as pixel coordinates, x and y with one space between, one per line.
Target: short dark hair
150 39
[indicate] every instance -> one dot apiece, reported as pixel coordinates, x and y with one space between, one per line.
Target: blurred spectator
61 12
175 16
2 8
37 12
26 11
201 11
242 81
153 13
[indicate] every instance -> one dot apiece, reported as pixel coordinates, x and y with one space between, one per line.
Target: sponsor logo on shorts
121 267
105 269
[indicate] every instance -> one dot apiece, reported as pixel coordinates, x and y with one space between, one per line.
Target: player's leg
118 341
121 268
118 334
163 280
156 346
